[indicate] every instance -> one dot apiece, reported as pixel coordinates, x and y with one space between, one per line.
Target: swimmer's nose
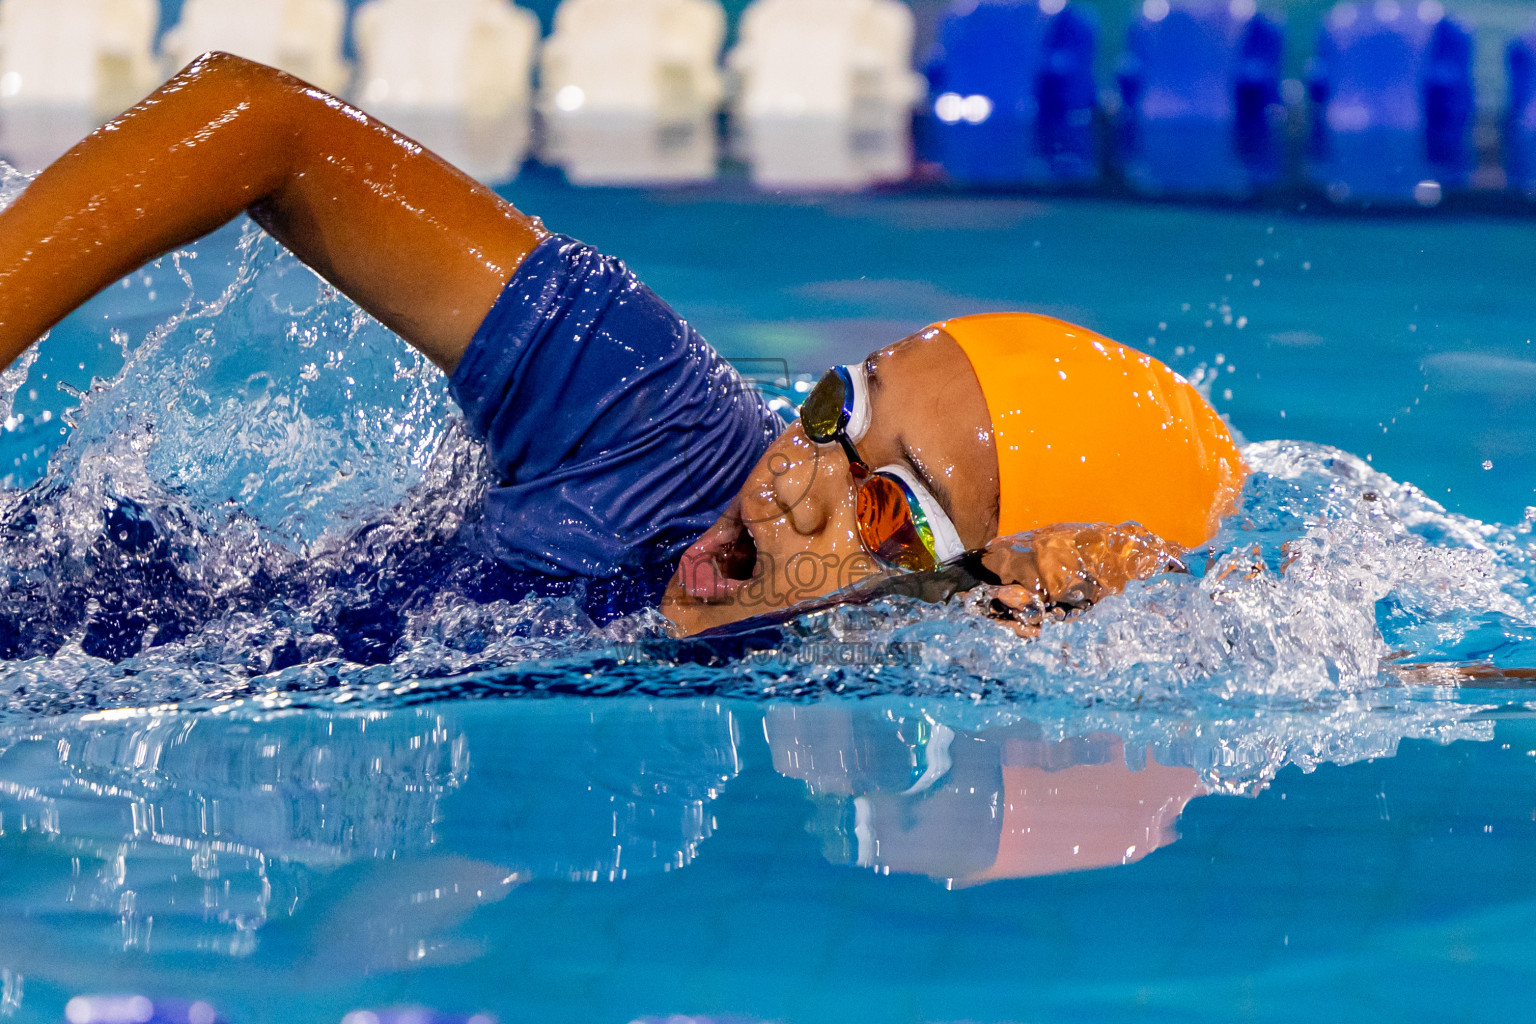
808 480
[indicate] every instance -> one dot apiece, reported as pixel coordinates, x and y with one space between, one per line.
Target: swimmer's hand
1057 571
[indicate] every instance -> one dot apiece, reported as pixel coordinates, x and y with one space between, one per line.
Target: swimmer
624 446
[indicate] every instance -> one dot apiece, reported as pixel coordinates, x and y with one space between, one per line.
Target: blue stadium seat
1201 111
1011 94
1391 89
1520 119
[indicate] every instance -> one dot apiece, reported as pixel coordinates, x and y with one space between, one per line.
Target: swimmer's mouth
721 562
738 560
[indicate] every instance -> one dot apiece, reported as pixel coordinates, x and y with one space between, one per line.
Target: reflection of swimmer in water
625 446
917 797
205 832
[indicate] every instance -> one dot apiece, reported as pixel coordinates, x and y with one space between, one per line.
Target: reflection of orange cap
1089 431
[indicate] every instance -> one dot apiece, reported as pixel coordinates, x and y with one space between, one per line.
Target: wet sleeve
616 433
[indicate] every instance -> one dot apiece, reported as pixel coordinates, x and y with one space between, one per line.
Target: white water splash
12 990
207 502
12 182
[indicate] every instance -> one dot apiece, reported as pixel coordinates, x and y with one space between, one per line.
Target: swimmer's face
791 532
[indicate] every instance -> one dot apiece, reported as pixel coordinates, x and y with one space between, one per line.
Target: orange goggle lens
889 526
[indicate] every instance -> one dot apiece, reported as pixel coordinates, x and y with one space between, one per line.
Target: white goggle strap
946 540
858 410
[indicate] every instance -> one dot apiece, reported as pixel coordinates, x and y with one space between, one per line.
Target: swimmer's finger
1012 560
1016 603
1022 630
1014 607
1019 609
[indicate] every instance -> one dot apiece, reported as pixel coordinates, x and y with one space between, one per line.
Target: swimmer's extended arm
412 240
1063 568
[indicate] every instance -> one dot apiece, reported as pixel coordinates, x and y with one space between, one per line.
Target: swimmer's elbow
221 69
271 105
219 64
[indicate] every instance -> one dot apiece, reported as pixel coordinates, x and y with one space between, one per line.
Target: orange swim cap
1089 431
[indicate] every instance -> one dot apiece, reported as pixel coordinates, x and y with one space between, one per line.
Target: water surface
1295 780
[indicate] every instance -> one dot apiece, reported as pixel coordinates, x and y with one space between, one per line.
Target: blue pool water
1250 793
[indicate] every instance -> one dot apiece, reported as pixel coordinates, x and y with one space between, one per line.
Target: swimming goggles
899 520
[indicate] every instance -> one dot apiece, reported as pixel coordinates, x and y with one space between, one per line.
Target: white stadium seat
68 65
302 37
629 89
823 91
465 56
455 74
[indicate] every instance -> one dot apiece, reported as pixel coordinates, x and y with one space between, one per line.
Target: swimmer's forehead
934 340
931 416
